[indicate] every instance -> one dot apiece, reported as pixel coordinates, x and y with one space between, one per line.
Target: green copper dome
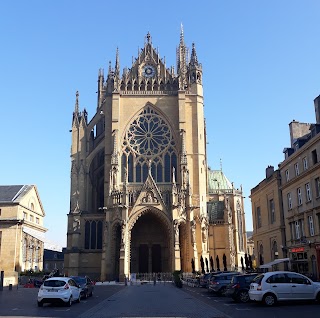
218 181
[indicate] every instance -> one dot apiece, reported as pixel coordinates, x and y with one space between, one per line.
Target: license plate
52 290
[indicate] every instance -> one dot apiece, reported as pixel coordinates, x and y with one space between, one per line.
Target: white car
281 285
59 290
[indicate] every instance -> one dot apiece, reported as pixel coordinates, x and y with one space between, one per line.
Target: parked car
59 290
204 280
86 285
238 289
272 287
218 283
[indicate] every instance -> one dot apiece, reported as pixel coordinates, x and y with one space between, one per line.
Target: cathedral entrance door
143 258
156 258
150 245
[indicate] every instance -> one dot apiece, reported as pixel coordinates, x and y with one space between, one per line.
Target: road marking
243 309
230 304
17 309
62 309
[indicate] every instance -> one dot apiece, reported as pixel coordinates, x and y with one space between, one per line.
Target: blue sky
260 71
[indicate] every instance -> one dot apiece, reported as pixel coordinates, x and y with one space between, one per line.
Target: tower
138 199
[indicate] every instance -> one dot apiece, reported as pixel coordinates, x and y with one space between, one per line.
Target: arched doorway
150 245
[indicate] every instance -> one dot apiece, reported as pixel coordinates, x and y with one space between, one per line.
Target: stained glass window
149 140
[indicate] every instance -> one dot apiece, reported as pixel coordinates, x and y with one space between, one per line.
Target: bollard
1 280
10 286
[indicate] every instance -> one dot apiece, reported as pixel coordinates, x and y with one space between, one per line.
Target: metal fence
150 278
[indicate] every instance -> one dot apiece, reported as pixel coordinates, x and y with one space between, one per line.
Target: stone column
177 256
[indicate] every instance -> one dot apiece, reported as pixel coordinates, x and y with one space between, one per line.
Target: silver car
281 285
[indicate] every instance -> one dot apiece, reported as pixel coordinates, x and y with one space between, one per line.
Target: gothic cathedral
139 176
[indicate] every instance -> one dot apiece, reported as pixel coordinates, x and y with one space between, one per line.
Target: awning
276 261
36 234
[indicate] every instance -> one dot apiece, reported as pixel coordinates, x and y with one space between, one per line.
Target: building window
289 201
297 227
299 196
272 211
287 175
259 223
317 184
314 156
93 235
32 206
37 220
305 163
25 216
149 139
31 218
292 230
296 168
308 192
311 226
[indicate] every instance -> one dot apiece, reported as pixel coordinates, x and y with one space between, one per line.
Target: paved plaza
160 300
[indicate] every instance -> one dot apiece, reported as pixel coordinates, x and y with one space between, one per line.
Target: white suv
59 289
276 286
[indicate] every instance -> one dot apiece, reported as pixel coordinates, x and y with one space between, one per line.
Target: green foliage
33 273
177 278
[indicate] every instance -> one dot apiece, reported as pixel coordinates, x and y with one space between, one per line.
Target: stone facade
21 231
138 198
295 187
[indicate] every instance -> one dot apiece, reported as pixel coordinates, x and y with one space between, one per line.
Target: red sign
297 249
317 247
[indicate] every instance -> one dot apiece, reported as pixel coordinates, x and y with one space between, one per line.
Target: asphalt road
254 310
23 303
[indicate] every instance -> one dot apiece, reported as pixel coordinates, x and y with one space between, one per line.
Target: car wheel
69 303
269 300
91 293
40 304
79 299
243 296
318 298
222 291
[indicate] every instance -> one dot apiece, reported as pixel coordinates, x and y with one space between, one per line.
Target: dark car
238 289
218 283
204 280
86 285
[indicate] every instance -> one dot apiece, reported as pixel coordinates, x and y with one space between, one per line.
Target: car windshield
79 280
54 283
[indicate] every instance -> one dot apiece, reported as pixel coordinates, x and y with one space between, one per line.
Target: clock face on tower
149 71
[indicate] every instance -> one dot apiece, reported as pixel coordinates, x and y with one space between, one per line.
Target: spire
182 61
148 37
110 69
193 59
76 106
117 66
181 35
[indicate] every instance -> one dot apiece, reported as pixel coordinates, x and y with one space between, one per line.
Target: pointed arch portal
150 245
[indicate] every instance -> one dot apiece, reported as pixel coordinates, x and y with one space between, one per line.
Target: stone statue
193 232
176 231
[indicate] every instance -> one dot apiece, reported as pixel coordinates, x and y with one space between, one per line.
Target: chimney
269 171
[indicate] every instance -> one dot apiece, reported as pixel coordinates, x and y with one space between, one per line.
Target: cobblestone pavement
152 301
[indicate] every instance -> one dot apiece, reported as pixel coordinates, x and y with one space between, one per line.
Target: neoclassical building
139 171
22 233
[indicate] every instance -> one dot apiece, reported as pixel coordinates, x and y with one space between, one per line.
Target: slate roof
215 211
13 193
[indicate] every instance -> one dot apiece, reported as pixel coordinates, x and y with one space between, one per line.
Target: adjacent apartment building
21 231
286 204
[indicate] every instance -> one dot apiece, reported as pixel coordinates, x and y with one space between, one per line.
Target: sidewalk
152 301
